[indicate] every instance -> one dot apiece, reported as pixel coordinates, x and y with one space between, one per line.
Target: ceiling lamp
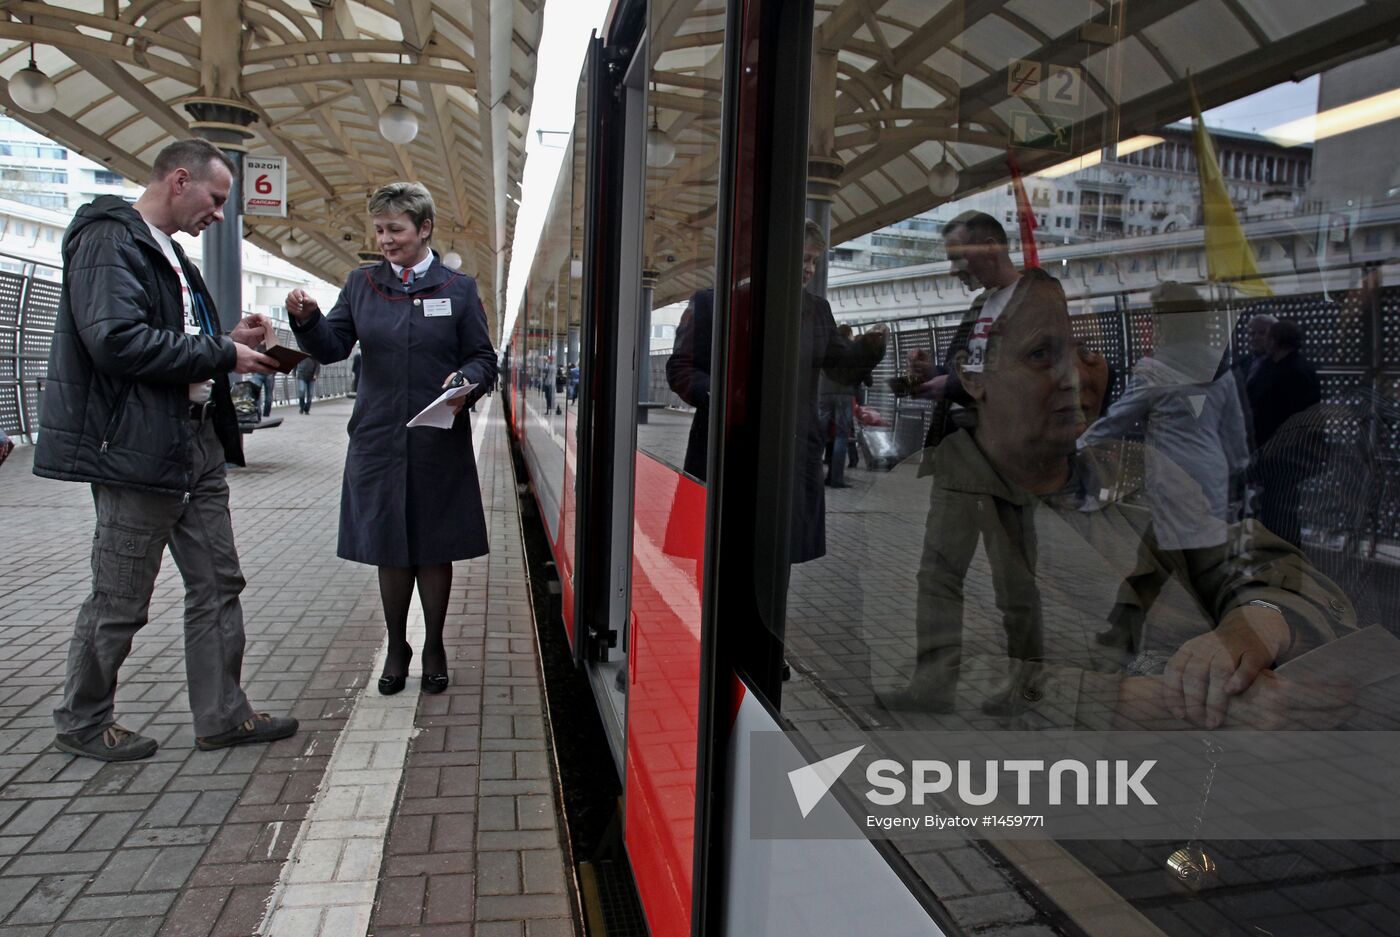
397 123
943 178
292 248
660 150
452 260
31 89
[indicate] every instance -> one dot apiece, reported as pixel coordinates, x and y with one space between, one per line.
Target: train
743 621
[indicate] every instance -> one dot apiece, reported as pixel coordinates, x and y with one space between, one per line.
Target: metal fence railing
28 311
1354 342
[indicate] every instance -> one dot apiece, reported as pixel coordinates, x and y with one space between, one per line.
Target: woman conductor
410 502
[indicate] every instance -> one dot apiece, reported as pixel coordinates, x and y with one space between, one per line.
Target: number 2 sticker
1063 85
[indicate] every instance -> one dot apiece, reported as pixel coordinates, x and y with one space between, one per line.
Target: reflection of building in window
1149 191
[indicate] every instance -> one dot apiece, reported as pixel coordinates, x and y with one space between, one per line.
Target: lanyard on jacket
206 321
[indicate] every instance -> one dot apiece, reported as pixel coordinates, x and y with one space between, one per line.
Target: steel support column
224 123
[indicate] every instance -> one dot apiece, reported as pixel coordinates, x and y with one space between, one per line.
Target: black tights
396 591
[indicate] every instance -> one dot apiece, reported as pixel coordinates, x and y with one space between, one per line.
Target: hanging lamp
397 123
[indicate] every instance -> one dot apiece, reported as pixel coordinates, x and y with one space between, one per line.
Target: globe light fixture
397 123
292 248
452 260
31 89
943 178
660 150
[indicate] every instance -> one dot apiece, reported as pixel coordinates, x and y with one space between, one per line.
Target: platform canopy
900 86
306 80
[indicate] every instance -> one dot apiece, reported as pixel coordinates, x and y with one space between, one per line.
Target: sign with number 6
265 186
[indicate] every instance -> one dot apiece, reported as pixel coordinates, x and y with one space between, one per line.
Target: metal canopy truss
895 81
315 75
912 76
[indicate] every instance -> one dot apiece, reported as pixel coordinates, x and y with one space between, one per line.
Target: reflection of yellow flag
1229 258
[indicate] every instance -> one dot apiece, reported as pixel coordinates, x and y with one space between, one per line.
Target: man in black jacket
137 405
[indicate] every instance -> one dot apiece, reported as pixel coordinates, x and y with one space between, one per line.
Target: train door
1185 395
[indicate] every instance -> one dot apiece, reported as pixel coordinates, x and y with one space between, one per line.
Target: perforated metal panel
9 408
11 287
1103 332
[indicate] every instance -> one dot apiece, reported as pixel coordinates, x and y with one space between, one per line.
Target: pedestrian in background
307 369
267 388
138 405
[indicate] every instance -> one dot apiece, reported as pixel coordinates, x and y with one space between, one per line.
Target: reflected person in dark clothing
1286 455
821 347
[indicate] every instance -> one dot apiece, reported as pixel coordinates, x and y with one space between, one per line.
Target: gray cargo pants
133 529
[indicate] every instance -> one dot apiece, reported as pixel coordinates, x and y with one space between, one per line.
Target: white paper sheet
437 414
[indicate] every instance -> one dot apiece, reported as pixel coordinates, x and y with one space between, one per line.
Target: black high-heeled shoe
435 682
390 684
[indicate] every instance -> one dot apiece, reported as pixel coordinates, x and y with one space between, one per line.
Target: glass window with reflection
1120 462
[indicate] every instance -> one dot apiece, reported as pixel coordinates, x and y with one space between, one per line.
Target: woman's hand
1210 668
301 306
457 403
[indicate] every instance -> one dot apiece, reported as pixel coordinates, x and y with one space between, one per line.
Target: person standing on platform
137 404
7 445
306 369
1289 449
410 503
267 384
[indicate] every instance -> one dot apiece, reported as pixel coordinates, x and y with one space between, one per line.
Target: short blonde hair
408 198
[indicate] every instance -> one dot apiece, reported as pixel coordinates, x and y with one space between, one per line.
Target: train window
552 339
679 207
1069 493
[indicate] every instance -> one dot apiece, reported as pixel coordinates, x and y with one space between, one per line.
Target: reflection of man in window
1185 402
821 347
980 256
1071 532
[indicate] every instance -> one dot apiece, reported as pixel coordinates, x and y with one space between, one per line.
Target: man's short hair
194 156
812 234
408 198
1171 296
1286 333
980 227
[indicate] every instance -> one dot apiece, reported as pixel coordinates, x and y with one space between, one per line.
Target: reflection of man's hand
1209 669
1274 702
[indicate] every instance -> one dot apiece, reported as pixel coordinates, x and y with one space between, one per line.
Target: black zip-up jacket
115 406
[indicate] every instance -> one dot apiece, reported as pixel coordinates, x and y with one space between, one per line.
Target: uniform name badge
437 307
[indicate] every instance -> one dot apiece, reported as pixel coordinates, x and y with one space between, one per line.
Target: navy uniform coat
410 496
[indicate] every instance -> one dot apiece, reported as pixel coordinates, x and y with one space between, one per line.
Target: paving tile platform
418 815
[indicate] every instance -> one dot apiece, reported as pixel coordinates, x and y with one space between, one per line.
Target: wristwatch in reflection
1292 619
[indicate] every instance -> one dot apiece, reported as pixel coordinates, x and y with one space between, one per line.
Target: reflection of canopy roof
895 80
316 74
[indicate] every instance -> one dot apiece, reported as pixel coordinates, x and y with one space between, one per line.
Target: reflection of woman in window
820 348
1066 534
